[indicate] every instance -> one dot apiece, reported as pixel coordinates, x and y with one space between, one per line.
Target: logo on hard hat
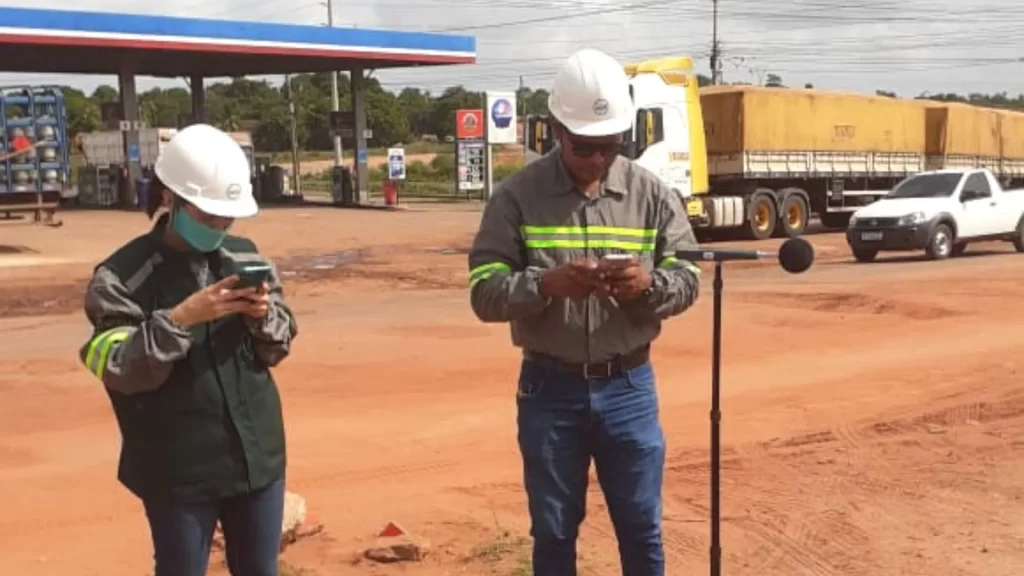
233 191
600 107
501 113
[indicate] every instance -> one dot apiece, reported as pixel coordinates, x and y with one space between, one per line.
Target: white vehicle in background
940 212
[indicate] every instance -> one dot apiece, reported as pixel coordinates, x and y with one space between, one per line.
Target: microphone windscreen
796 255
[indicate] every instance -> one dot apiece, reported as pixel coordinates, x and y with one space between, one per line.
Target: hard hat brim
241 208
609 127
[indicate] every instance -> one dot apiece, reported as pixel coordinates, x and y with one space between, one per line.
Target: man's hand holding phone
573 280
622 276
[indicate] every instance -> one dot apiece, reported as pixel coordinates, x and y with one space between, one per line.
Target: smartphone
252 275
617 259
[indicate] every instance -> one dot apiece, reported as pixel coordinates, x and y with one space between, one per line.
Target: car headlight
912 219
853 222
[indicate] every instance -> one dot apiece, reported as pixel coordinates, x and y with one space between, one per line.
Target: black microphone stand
716 424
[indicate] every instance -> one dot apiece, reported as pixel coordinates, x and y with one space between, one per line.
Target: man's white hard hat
590 95
206 167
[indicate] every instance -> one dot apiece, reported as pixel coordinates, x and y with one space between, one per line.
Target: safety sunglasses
586 149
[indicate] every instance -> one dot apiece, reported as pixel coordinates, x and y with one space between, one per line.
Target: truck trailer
762 160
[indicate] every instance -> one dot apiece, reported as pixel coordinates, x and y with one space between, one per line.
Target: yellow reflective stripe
648 233
485 271
100 346
668 262
591 243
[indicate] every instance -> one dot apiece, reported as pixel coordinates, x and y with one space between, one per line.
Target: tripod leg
716 419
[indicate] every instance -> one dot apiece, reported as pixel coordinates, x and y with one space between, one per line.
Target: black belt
596 370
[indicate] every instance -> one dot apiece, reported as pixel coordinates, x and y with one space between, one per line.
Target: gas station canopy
58 41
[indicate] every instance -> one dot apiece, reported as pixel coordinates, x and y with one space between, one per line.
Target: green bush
443 166
503 171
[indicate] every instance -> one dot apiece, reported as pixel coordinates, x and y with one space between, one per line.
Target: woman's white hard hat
590 95
207 168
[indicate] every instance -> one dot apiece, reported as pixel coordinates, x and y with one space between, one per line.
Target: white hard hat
590 95
206 167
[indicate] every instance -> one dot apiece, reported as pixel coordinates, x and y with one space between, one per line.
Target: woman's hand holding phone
214 302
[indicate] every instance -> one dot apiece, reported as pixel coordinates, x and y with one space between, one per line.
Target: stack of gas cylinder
33 140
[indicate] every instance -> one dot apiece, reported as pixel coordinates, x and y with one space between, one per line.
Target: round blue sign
501 113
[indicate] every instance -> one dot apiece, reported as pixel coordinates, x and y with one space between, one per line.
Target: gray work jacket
538 219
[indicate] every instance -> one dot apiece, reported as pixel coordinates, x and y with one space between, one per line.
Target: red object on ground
391 530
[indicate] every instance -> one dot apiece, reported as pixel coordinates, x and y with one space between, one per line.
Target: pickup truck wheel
940 245
865 254
1018 236
762 217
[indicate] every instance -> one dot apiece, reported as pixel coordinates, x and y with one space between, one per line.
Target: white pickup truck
940 212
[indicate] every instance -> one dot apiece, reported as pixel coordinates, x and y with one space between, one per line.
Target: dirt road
874 415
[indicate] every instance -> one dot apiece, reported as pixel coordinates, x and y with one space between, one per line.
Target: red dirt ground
873 413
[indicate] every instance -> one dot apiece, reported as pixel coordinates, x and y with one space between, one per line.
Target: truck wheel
1018 236
762 217
793 215
865 254
940 245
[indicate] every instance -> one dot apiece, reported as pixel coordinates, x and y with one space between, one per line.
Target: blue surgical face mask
198 235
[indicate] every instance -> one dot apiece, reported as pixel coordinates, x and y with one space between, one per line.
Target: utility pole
715 49
334 89
296 175
521 97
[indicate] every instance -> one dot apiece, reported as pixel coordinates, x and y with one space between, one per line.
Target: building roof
60 41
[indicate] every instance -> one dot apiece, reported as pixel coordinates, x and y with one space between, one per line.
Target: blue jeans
564 420
252 533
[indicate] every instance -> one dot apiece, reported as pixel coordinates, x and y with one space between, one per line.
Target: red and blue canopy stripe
28 26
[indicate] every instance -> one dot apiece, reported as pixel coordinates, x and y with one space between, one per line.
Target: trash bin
341 185
142 193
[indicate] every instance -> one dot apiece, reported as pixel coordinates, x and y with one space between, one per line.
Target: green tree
263 108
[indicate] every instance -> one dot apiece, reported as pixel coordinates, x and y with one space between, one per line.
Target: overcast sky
909 46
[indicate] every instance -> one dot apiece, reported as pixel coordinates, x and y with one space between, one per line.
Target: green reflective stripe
647 233
105 352
592 243
488 267
480 278
485 271
95 344
99 348
670 260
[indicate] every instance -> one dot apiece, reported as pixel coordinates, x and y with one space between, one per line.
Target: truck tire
1018 236
762 215
940 244
836 220
793 215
